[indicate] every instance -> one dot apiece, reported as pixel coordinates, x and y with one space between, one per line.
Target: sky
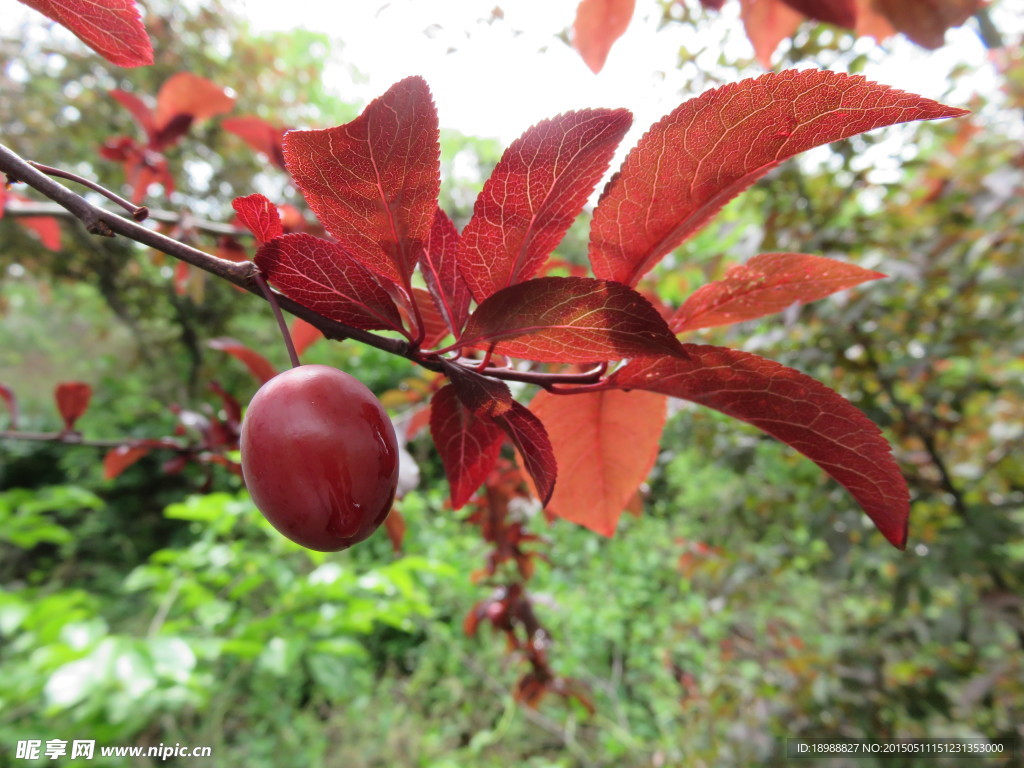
496 67
497 76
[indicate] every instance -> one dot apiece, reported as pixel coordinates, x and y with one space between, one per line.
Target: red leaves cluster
183 100
201 437
599 23
509 608
769 22
374 184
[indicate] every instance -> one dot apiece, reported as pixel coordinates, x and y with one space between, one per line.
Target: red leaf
259 215
570 320
439 265
188 94
232 410
711 148
140 110
482 395
434 326
119 459
292 219
72 401
926 21
257 364
534 194
605 444
871 22
528 435
767 23
490 400
374 182
323 276
766 284
46 228
260 135
229 249
7 395
599 23
419 420
394 524
112 28
842 13
794 408
304 335
182 273
468 445
713 4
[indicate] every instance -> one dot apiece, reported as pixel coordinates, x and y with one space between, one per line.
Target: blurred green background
751 601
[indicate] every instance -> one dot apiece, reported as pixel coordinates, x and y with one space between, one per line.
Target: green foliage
235 610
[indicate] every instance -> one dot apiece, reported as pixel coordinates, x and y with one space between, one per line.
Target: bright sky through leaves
498 76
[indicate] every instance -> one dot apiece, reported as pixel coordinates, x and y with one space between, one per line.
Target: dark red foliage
374 185
325 277
569 320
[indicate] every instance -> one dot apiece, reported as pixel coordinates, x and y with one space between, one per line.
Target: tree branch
243 274
23 208
75 438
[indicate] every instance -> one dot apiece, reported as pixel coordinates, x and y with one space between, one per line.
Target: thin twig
27 208
75 438
138 212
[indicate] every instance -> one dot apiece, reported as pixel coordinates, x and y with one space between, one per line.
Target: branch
926 436
75 438
243 274
21 208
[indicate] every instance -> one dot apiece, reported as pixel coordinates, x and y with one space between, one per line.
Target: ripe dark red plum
320 457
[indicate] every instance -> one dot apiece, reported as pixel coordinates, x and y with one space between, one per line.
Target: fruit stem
138 212
272 300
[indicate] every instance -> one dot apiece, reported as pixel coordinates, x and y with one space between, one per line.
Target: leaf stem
271 298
